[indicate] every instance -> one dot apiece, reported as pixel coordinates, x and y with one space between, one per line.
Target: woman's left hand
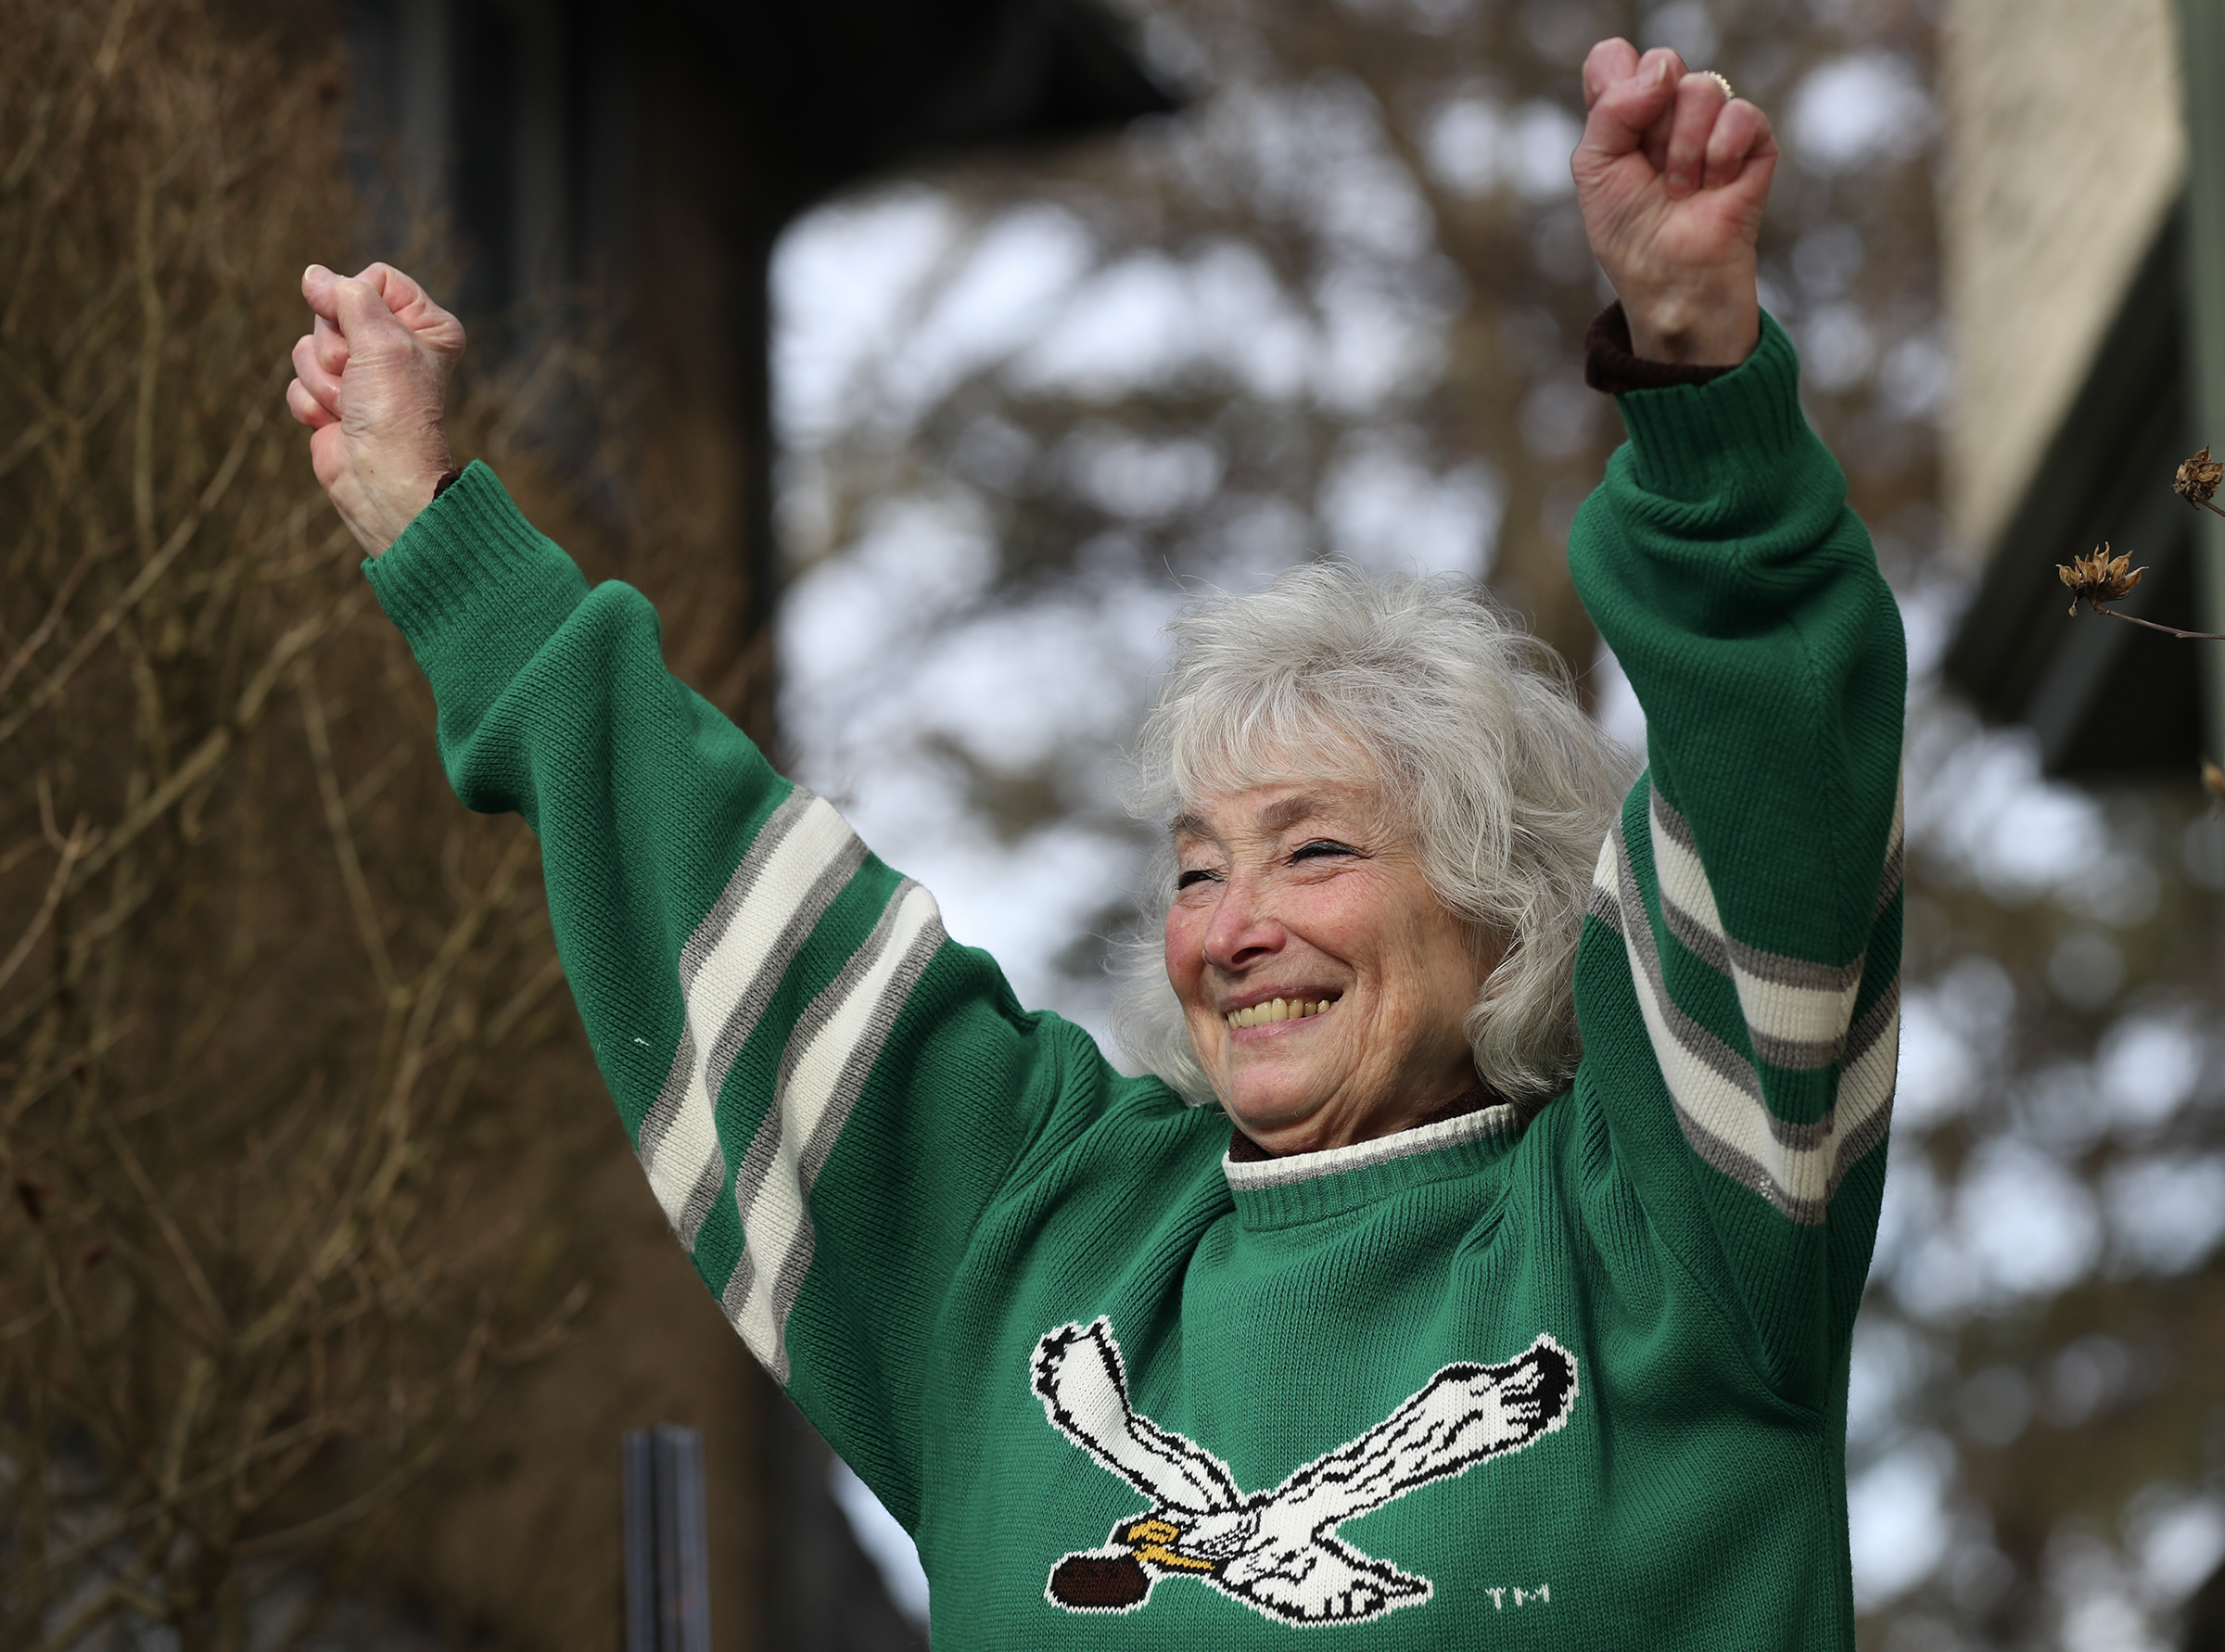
1671 174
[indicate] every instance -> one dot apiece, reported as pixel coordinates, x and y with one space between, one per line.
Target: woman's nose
1243 930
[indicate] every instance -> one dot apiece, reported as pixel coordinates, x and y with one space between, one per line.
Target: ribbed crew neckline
1305 1186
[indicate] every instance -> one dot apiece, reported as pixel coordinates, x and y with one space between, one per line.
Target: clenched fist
1671 174
369 380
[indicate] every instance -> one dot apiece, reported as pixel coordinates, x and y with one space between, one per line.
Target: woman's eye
1187 878
1320 846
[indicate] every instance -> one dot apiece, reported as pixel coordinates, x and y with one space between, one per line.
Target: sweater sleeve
1738 984
824 1090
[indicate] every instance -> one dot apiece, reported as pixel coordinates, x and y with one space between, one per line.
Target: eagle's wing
1464 1414
1085 1392
1318 1579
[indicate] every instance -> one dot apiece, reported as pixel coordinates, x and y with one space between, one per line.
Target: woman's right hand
1671 174
369 381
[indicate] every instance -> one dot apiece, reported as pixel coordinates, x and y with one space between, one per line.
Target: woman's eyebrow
1276 818
1281 816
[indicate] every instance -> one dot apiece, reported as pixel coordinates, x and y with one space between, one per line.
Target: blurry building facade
2071 252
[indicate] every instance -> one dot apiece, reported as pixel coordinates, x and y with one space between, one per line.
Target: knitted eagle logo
1277 1551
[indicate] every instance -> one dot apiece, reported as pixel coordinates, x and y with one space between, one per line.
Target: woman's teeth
1277 1010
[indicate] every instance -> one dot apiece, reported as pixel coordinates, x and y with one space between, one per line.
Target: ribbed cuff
470 547
1693 442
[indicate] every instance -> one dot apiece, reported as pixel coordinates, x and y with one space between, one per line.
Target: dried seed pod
2198 479
2099 577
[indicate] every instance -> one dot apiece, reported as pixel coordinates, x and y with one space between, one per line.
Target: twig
173 1236
364 1503
191 1393
142 582
72 1630
430 985
115 1526
150 367
21 853
24 1321
372 781
33 433
504 1020
211 751
2169 631
343 838
73 850
93 553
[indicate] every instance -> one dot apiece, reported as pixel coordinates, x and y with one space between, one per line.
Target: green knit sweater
1575 1383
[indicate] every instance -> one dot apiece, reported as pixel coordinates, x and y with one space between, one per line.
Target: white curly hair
1468 723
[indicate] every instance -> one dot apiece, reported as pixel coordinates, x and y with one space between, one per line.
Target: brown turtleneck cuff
1610 366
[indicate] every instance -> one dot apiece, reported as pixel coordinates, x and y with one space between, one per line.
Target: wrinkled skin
1313 893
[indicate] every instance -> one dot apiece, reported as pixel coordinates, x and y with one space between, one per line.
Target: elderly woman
1516 1309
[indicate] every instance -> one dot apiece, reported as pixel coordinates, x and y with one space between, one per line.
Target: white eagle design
1277 1551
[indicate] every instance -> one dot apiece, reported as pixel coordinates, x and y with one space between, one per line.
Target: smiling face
1310 894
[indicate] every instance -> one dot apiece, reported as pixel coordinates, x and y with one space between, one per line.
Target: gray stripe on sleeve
789 1283
750 1176
1728 1063
1854 1052
758 997
1723 1060
697 950
1603 906
750 1005
1724 951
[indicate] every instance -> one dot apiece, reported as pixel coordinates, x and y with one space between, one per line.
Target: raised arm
825 1091
1740 995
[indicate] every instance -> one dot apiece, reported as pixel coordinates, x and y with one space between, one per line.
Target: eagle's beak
1148 1540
